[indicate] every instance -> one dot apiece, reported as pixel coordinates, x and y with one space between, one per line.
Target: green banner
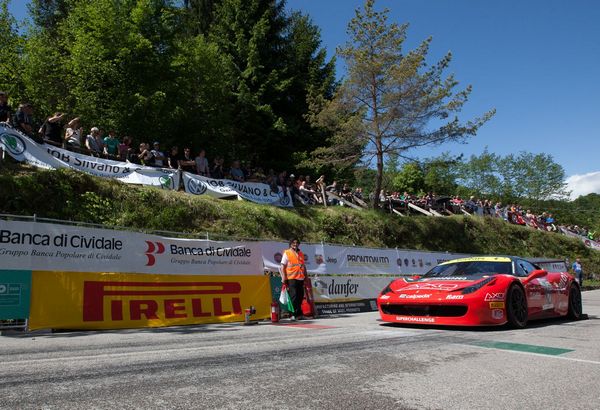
15 294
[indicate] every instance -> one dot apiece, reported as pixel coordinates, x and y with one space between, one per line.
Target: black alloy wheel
516 307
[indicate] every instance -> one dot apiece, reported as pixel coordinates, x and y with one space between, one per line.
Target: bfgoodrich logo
196 187
154 248
13 143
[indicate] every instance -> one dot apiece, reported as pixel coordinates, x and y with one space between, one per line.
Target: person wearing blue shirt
578 270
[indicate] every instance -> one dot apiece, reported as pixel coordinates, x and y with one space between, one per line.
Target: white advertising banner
23 149
587 242
331 289
350 260
41 246
224 188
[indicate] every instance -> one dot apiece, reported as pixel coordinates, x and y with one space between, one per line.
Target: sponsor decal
494 296
166 182
422 296
285 200
154 248
562 305
497 314
13 143
564 279
449 278
319 259
385 297
548 306
497 305
146 300
431 286
341 289
415 319
455 297
367 260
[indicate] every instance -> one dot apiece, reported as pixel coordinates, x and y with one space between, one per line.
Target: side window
519 271
525 266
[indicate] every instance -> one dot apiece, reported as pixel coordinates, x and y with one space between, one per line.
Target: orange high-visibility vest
295 266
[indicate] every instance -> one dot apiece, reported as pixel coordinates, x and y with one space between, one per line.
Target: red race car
481 291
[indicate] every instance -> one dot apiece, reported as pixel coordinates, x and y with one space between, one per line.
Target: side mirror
538 273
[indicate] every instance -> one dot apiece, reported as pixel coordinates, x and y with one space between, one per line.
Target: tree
10 53
389 98
539 177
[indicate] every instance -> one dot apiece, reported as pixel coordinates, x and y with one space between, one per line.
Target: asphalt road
346 362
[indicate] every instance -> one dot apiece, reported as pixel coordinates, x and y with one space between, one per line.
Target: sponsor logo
155 300
331 260
385 297
319 259
548 306
13 143
564 279
166 182
3 288
342 289
455 297
285 200
60 240
497 305
449 278
366 260
154 248
415 319
432 286
196 187
497 314
423 296
277 257
494 296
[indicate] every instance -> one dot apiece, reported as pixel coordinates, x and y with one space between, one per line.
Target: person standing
293 273
578 270
51 130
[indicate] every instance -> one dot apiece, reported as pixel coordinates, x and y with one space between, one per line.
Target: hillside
70 195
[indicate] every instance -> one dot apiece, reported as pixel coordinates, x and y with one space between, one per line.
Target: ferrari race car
481 291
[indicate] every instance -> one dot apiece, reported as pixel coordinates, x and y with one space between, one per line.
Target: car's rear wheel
575 305
516 307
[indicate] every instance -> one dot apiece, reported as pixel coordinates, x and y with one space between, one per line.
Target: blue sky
536 61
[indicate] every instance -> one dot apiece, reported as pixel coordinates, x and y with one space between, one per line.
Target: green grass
71 195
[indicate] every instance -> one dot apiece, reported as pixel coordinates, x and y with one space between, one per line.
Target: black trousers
296 291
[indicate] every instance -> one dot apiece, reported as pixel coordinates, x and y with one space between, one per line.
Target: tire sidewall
512 320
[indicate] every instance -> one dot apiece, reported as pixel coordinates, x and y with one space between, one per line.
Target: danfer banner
23 149
86 300
15 289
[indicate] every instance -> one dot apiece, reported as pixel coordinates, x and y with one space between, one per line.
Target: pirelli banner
351 260
23 149
41 246
85 300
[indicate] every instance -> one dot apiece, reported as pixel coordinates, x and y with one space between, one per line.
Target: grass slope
71 195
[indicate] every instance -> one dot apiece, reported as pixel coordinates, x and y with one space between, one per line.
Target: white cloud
584 184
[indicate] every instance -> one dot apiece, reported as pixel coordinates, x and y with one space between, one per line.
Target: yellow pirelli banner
85 300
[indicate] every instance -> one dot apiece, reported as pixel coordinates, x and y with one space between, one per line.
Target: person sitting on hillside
173 157
217 171
471 205
125 149
236 172
202 167
550 223
145 156
160 159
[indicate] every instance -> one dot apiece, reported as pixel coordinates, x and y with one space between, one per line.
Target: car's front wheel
575 305
516 307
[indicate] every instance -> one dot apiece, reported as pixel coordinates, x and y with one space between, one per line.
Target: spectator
186 162
125 149
217 171
202 164
111 145
236 172
51 129
145 156
23 121
5 109
578 271
160 159
92 143
173 157
73 135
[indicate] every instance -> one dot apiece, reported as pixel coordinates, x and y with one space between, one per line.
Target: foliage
390 97
12 43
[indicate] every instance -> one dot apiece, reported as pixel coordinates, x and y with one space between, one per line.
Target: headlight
478 285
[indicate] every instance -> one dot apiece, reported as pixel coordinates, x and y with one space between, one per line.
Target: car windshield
469 269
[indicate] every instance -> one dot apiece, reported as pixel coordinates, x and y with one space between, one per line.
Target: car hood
433 286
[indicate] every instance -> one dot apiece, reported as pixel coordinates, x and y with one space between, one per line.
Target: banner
41 246
586 241
15 290
224 188
350 260
85 300
23 149
329 289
